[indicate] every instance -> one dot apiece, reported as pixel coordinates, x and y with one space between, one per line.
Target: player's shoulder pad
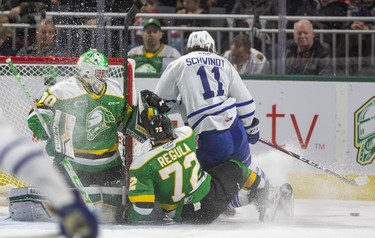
183 132
68 88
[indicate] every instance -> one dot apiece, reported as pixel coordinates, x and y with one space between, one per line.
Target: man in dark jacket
307 55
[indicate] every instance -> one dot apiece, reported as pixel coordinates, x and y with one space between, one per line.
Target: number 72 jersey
208 90
169 173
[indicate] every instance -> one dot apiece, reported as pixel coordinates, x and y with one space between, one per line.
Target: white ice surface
313 218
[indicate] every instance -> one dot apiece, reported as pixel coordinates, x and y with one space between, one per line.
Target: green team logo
364 132
97 121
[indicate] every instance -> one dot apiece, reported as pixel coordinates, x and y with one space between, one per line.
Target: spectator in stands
153 56
149 7
22 11
257 8
245 59
5 43
332 8
86 36
5 6
189 7
44 44
365 8
307 55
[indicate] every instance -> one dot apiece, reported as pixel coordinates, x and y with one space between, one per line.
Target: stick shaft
309 162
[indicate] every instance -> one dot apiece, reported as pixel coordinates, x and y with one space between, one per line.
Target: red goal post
38 73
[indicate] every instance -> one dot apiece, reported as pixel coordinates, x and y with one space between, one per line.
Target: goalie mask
160 129
201 40
93 69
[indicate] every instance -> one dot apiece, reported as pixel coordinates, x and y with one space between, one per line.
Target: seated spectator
245 59
153 56
365 8
257 8
149 7
189 7
5 43
332 8
44 44
307 55
22 11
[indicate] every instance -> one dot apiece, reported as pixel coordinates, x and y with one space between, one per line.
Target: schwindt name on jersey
205 60
173 154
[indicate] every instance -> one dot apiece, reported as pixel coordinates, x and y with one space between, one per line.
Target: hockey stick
362 180
127 21
68 167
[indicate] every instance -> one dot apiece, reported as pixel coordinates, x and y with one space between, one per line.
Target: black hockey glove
253 133
154 100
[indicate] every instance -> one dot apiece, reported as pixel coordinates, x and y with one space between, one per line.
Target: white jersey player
217 104
28 162
255 63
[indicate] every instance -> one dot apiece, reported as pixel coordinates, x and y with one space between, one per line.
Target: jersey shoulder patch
260 56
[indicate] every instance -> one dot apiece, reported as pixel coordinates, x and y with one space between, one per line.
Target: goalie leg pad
28 204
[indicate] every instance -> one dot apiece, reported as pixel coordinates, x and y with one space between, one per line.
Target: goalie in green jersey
96 102
171 175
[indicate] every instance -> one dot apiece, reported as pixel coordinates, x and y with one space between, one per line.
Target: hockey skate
266 201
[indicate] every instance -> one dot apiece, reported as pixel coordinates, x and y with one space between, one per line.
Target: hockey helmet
93 68
201 40
160 129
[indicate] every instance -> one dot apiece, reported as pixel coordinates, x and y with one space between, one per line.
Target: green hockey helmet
93 68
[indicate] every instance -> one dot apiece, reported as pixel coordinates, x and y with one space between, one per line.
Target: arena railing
68 34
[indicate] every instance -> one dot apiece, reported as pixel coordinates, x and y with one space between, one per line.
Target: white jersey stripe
213 114
203 110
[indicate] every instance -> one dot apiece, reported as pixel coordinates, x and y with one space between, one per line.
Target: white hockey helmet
202 40
93 68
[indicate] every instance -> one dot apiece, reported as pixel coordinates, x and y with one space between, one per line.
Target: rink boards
330 123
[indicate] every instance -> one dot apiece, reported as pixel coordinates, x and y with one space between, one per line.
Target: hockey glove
154 100
77 221
253 133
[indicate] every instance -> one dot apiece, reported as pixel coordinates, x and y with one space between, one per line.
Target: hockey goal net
38 73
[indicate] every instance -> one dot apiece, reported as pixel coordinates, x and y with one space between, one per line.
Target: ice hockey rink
322 218
313 218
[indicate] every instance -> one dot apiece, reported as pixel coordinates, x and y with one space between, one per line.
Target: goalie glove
154 100
253 132
77 221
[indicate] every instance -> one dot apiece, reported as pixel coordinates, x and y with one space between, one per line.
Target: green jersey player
97 102
171 174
